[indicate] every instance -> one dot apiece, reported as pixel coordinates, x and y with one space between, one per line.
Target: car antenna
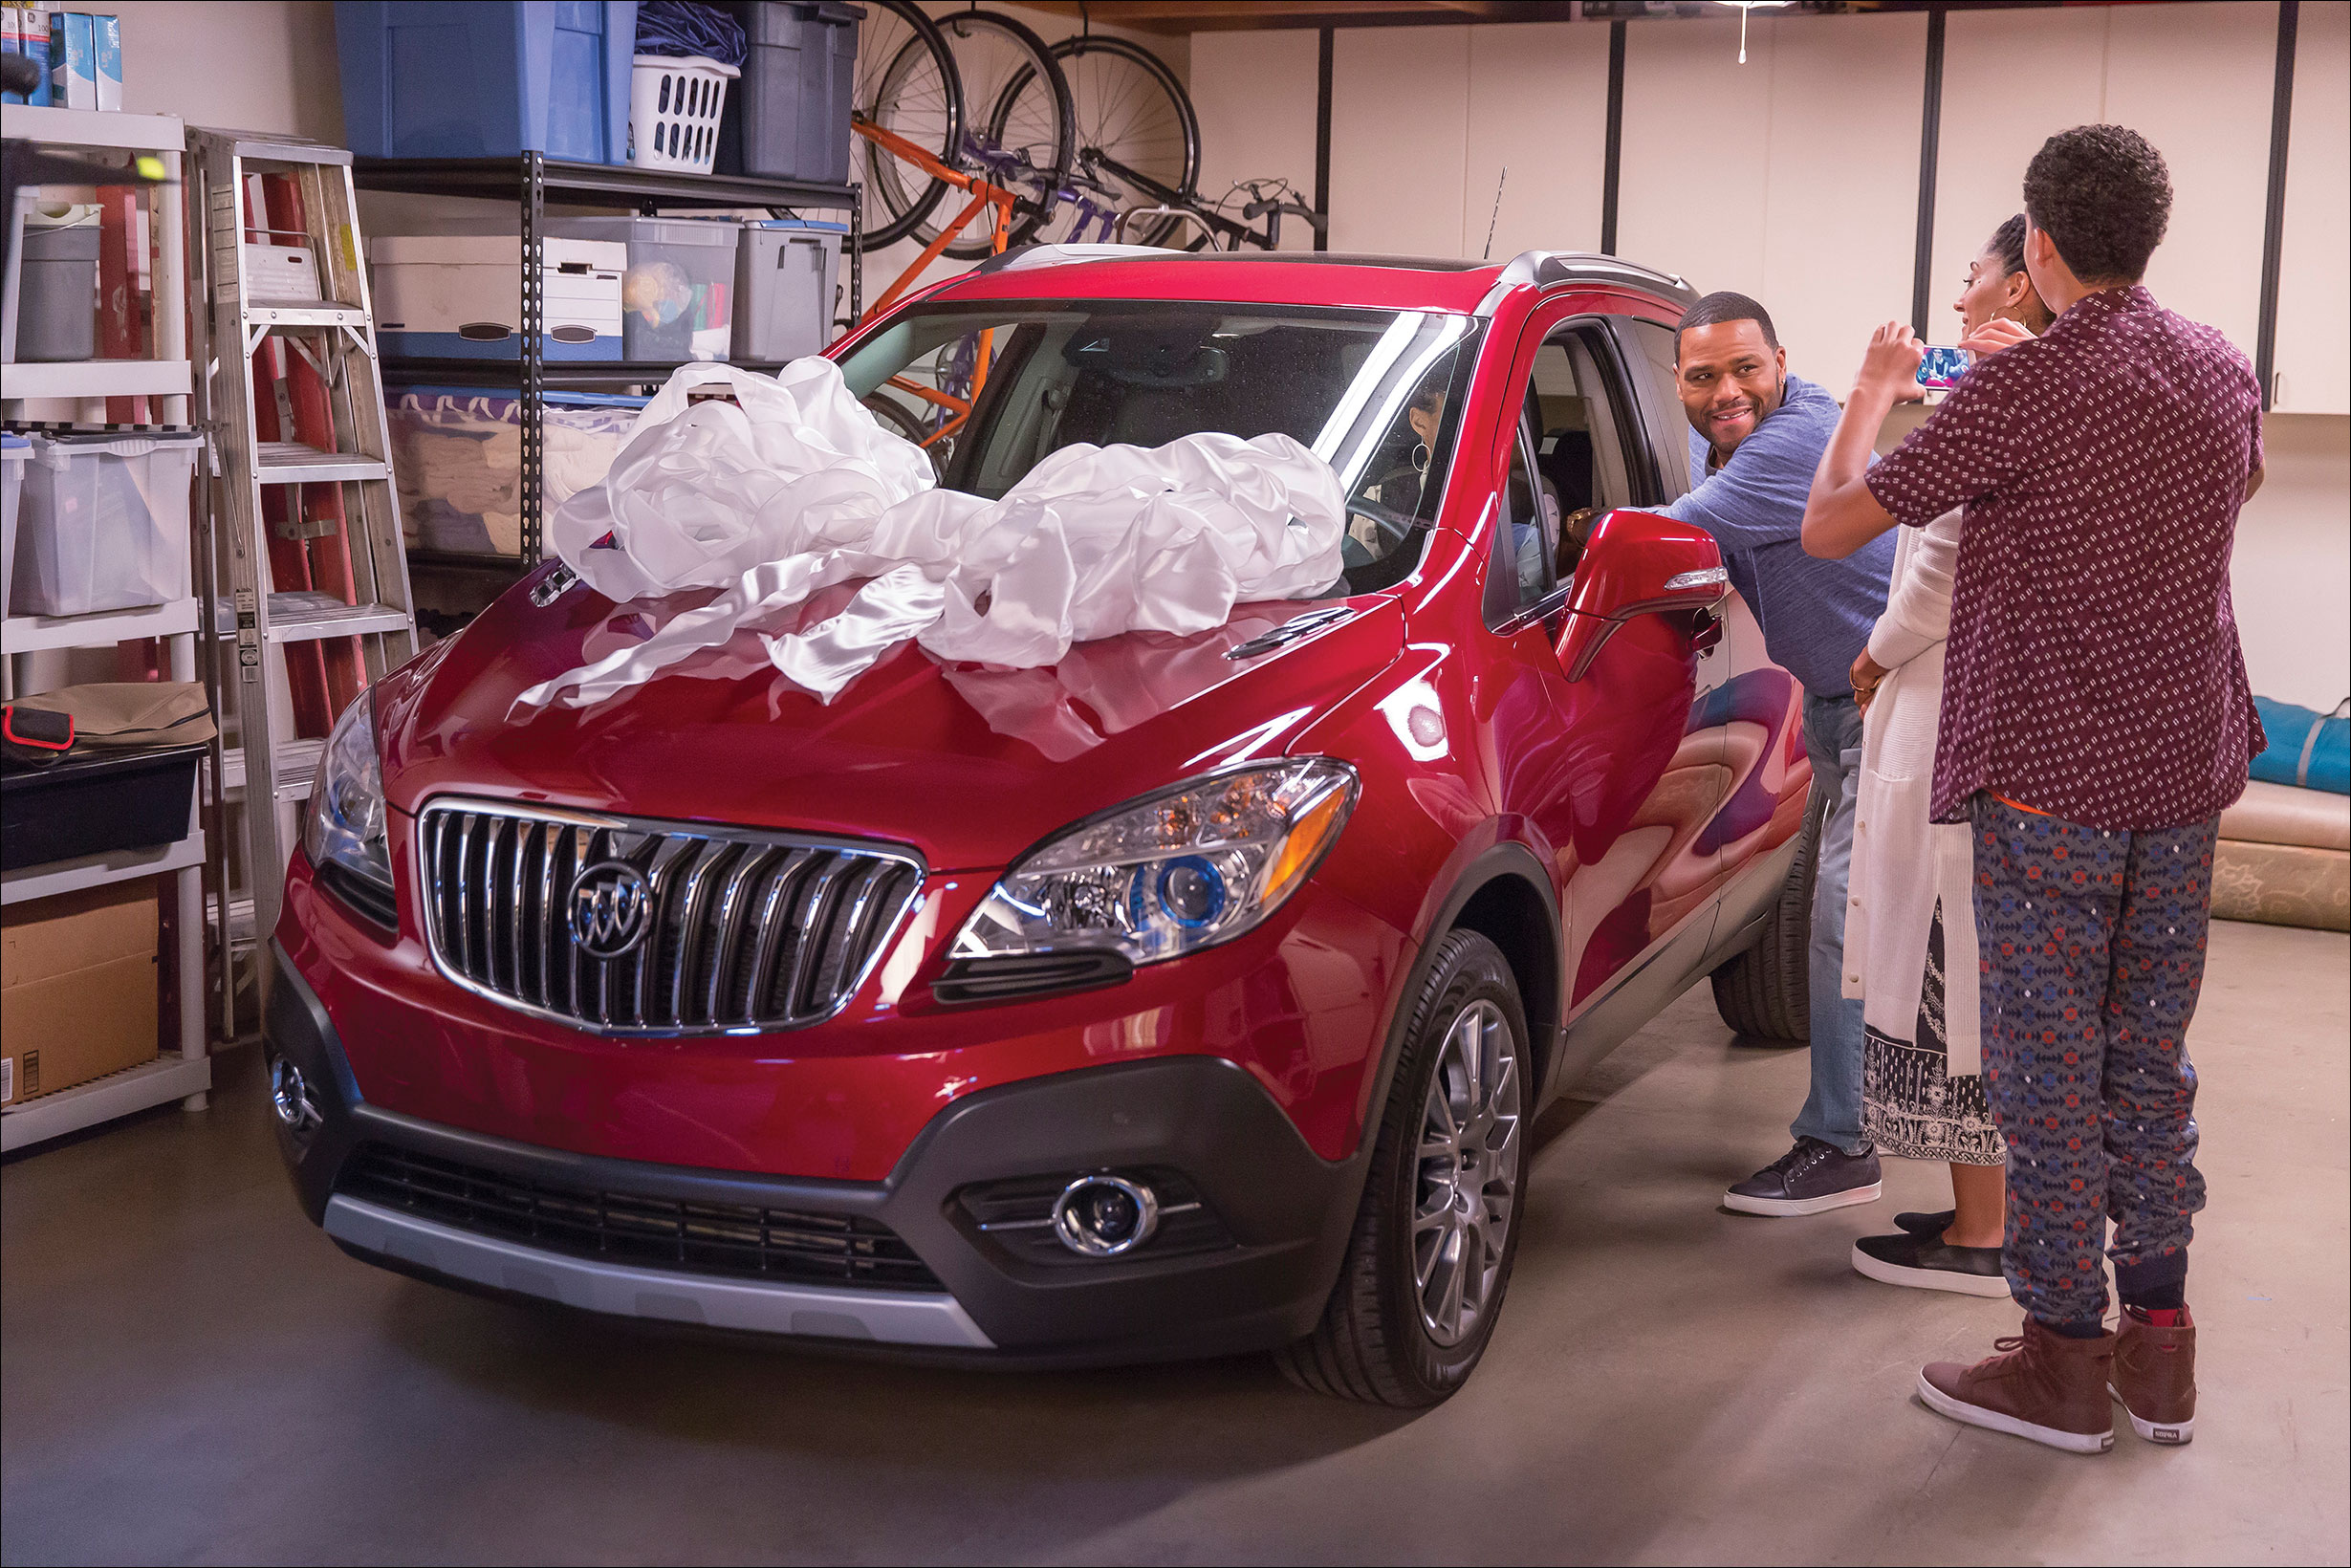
1488 254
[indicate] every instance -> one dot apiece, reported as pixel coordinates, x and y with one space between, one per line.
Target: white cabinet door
2314 283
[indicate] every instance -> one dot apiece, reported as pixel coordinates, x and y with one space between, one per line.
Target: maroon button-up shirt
2093 669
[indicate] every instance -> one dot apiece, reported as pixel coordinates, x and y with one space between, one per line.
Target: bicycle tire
992 101
897 205
1093 121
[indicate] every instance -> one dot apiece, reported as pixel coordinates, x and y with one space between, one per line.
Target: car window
1589 441
1526 540
992 389
1650 350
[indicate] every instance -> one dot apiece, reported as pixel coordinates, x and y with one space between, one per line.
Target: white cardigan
1902 862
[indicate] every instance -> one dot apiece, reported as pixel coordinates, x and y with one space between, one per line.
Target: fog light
1101 1216
290 1095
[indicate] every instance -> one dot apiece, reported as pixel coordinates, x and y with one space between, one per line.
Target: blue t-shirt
1815 615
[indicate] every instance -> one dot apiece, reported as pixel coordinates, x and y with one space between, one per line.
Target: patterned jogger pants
2092 946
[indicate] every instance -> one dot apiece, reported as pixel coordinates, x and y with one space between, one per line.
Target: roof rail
1545 267
1022 257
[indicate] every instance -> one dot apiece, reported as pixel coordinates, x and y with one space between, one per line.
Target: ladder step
291 463
305 615
304 313
298 768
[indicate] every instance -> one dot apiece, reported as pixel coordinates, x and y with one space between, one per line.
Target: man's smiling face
1729 378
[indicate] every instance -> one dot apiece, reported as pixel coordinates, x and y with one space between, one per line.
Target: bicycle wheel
1018 132
1130 110
906 84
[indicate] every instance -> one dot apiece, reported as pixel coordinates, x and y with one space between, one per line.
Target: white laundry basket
674 102
102 523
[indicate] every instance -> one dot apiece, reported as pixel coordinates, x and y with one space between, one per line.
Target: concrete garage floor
192 1374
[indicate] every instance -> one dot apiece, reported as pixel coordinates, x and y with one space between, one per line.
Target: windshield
990 390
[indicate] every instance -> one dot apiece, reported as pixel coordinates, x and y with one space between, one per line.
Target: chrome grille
745 929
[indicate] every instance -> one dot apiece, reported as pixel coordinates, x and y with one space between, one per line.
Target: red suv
1192 996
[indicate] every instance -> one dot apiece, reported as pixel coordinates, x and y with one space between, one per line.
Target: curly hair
2103 197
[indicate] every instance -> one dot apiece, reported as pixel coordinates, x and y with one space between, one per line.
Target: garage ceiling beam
1236 15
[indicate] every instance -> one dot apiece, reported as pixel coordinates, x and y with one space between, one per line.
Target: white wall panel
2011 80
2195 80
1254 92
2291 574
1693 197
1840 228
1399 126
1537 104
2313 285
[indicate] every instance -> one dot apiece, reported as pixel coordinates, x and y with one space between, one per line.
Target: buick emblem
610 909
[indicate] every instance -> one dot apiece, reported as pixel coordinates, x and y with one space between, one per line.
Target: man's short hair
2103 197
1724 305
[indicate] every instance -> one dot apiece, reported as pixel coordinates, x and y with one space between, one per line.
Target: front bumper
1285 1214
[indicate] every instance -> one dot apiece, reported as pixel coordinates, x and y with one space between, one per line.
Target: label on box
8 1064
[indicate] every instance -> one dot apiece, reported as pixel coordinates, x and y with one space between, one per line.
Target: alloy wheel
1468 1181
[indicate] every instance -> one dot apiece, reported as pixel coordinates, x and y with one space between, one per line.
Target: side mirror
1637 563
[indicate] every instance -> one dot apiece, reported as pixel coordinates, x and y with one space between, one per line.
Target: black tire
897 198
902 422
1375 1341
1765 992
1114 126
989 104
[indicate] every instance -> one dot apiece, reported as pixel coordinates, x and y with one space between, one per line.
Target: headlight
345 826
1172 873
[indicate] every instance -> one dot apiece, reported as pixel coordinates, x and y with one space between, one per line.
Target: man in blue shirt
1757 434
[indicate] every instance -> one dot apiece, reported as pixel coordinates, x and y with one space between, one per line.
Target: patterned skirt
1911 1105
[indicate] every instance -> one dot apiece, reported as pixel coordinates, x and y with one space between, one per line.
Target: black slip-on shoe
1926 1225
1810 1179
1922 1262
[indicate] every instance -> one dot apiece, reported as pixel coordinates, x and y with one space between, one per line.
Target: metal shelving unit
186 1073
531 182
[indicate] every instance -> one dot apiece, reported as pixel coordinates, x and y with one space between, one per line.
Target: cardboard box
11 41
79 993
106 59
72 61
35 44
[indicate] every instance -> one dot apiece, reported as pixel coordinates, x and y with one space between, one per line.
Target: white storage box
459 457
460 296
102 523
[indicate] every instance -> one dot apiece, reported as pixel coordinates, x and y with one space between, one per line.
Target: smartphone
1942 367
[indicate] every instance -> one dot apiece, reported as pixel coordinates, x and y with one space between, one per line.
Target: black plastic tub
91 805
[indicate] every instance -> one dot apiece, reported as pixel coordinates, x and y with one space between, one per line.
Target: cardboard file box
460 296
78 989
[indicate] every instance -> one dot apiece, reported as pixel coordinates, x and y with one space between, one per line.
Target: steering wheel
1394 526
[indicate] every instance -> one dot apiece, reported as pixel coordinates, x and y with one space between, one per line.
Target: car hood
969 764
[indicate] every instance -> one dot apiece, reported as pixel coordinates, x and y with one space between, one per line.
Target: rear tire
1765 992
1425 1268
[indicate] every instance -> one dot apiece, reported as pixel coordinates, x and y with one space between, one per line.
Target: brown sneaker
2044 1385
2154 1376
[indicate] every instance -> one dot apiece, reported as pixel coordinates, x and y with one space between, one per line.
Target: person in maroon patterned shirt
2095 719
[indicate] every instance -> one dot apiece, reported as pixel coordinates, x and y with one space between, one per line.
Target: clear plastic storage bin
784 271
677 298
14 450
102 523
459 457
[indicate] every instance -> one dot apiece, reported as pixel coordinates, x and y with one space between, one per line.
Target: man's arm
1839 514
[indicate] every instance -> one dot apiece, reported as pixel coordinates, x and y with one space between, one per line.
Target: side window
1526 535
1650 347
1587 432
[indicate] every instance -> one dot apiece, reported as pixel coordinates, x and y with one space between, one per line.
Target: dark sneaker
1926 1225
1922 1262
1809 1179
2043 1385
2154 1376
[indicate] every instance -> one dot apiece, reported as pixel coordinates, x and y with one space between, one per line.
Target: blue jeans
1833 1111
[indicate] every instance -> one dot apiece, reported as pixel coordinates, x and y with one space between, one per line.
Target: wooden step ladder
304 519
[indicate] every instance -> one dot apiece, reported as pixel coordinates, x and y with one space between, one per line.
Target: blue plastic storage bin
487 79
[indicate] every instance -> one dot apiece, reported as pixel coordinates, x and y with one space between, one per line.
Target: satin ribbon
800 488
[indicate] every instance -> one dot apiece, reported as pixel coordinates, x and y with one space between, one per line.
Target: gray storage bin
788 117
784 273
677 295
56 301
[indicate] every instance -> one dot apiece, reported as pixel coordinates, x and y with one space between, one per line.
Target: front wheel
1438 1227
